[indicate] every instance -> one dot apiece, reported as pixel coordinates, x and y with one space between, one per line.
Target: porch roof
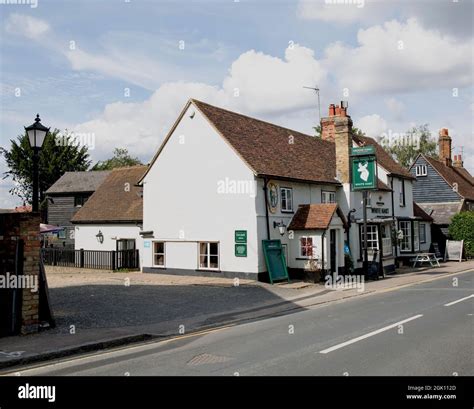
315 216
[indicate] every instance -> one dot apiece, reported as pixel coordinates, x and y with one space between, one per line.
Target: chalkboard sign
436 250
453 250
275 260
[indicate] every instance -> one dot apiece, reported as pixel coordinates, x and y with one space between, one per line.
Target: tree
462 228
120 159
404 148
59 154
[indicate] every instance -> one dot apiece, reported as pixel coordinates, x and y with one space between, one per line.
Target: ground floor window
416 236
306 247
385 231
125 244
405 242
158 253
422 233
372 237
209 255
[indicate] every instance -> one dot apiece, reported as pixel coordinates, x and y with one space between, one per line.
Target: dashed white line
461 299
370 334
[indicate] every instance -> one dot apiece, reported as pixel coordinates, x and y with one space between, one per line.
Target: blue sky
117 73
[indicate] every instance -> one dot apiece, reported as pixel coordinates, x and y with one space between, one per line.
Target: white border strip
370 334
455 302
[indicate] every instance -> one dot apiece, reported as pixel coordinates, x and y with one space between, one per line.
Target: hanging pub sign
364 168
272 190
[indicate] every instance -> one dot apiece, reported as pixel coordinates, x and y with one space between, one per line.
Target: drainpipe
393 218
322 252
265 191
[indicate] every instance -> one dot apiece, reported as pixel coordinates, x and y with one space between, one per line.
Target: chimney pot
444 132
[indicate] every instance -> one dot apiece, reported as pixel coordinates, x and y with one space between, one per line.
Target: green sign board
275 260
364 173
240 250
363 150
240 236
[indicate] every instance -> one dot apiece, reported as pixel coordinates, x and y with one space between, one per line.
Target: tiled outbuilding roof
419 212
117 200
78 182
315 216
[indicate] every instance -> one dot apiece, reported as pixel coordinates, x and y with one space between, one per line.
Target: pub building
221 183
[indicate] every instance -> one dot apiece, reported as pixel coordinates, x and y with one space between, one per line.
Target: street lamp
281 227
36 135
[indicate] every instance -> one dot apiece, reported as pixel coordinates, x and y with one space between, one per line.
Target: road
425 329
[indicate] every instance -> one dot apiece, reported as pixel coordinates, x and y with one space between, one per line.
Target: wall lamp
281 227
100 237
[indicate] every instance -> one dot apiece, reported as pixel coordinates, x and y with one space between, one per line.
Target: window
125 244
372 237
328 197
209 255
402 194
369 199
386 240
79 201
286 199
422 233
306 247
421 170
405 243
159 253
416 236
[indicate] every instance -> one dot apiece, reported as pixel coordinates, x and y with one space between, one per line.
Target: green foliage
120 159
58 155
462 228
406 148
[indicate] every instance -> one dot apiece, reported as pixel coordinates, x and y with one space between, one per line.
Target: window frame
301 247
209 255
422 227
82 198
421 170
402 194
154 253
325 193
371 228
285 197
410 231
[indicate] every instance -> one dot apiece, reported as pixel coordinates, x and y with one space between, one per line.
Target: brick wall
24 226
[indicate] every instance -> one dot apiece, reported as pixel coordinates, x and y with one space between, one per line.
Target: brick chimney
337 128
458 163
444 147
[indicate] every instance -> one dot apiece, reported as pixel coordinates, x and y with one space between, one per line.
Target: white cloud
372 125
401 57
27 26
333 11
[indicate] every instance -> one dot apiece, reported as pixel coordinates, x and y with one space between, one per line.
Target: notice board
453 250
275 260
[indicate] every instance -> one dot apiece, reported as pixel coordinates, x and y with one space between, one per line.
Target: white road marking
370 334
455 302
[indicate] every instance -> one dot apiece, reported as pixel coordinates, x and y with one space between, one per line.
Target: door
126 253
332 250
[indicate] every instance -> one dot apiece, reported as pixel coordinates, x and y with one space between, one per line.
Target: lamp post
36 135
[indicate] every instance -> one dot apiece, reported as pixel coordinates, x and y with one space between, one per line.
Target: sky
117 73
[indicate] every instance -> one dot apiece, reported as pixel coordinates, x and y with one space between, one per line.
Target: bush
462 228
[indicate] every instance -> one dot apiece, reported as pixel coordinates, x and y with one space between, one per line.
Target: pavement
116 309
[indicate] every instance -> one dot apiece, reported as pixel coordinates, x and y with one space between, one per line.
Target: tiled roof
448 173
116 200
419 212
315 216
465 174
383 157
441 212
271 150
77 182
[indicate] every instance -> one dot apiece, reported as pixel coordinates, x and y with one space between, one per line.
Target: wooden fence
93 259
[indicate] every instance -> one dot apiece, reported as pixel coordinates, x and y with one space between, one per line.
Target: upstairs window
421 170
79 201
286 194
402 193
328 197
